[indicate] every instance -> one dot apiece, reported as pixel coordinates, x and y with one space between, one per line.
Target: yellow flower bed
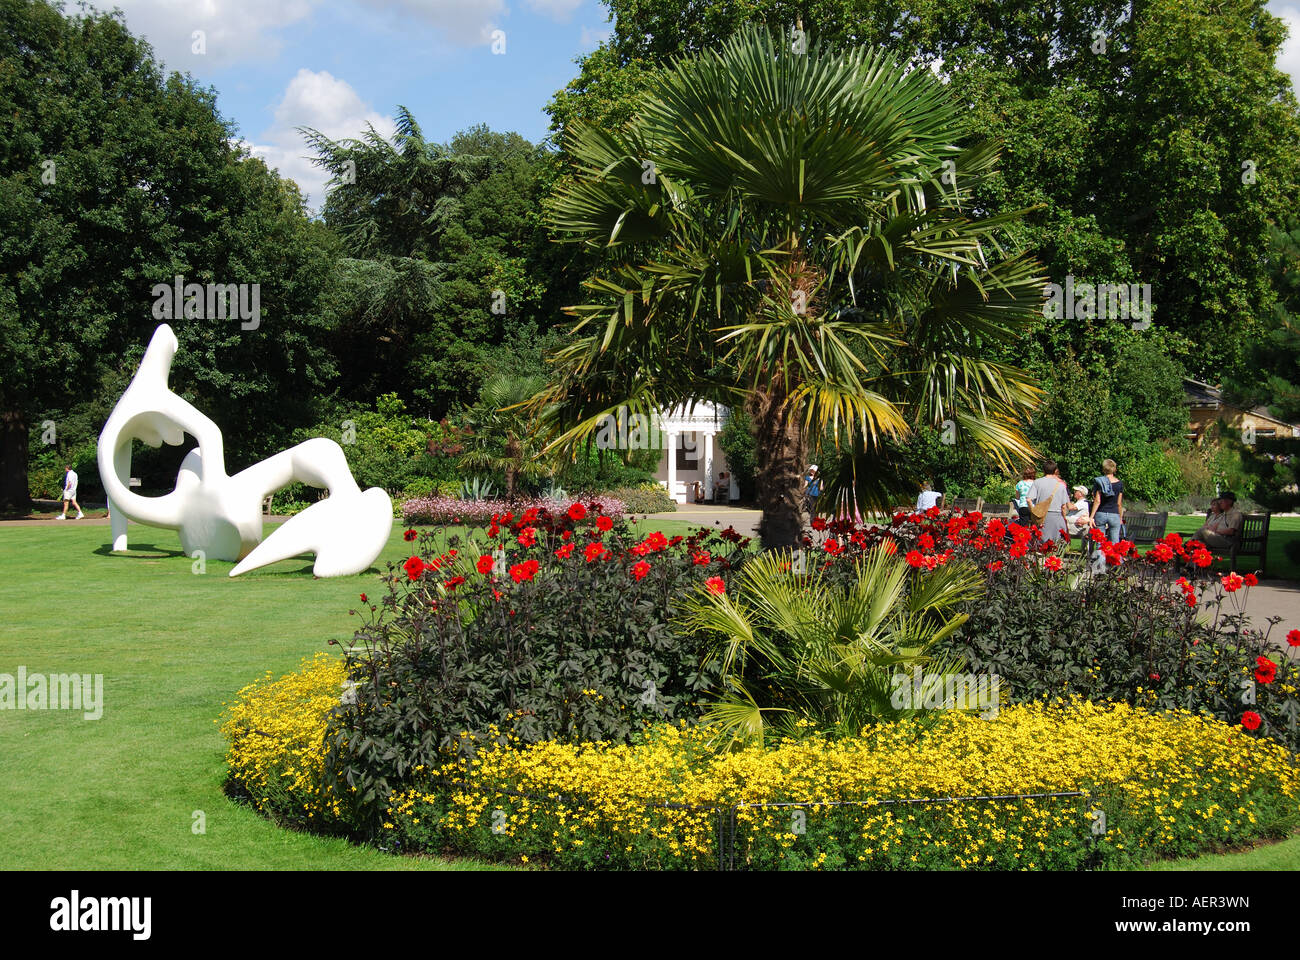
1154 785
1165 783
276 731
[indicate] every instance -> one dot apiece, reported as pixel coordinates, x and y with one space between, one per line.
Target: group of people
1045 500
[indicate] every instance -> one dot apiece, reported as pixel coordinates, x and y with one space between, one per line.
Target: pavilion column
673 440
709 493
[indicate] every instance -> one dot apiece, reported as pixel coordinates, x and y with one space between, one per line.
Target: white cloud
559 10
464 22
325 103
1288 58
233 31
592 37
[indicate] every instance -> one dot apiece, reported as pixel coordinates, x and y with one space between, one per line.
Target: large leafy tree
1271 378
1155 139
114 178
446 259
793 232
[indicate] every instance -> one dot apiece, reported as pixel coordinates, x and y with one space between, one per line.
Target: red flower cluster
520 572
1265 670
414 568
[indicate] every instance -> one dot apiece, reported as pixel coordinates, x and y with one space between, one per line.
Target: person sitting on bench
1223 527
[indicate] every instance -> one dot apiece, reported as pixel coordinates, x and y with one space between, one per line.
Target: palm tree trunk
779 456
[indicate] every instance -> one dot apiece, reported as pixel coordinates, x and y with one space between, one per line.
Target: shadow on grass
141 551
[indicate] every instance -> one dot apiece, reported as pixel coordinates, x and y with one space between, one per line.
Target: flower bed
451 511
1169 784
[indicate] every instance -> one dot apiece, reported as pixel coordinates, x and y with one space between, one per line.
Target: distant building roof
1197 393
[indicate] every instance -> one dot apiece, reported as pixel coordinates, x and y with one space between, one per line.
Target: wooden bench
1252 541
1145 527
968 504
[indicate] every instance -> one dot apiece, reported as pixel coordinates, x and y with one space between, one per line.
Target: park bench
968 504
1252 541
1145 527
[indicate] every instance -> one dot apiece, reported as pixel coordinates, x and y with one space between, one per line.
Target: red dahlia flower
1251 580
604 524
524 571
1250 720
1052 563
413 567
484 564
1293 638
594 551
639 570
716 585
577 512
409 535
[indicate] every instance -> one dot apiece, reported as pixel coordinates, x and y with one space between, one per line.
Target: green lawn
121 792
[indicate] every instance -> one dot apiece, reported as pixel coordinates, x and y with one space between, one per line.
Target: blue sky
337 65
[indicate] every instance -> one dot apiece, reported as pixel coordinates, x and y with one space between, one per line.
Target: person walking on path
812 488
70 492
1020 502
1108 502
1049 489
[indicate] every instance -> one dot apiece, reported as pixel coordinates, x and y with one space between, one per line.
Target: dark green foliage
1127 636
581 651
1134 153
1270 377
115 177
449 261
736 440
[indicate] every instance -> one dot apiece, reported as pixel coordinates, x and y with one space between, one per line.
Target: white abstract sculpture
221 515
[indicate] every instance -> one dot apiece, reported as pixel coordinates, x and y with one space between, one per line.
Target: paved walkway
710 515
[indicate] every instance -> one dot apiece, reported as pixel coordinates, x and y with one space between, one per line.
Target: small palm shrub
796 650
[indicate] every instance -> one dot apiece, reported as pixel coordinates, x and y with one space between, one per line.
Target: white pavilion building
691 456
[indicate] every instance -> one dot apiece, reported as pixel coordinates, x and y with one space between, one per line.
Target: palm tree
796 647
794 233
503 438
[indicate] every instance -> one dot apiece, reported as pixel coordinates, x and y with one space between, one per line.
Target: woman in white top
1051 488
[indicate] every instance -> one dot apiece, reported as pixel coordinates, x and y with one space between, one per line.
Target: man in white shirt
70 492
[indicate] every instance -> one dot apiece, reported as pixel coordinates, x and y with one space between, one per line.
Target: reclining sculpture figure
221 515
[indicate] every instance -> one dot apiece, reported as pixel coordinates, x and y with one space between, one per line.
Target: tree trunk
778 475
13 462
